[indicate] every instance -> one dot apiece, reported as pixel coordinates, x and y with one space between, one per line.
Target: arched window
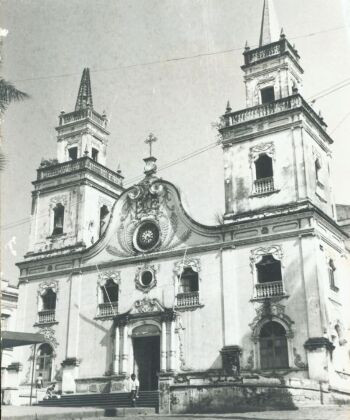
188 281
273 346
103 218
44 363
268 269
58 219
331 274
263 167
110 292
49 300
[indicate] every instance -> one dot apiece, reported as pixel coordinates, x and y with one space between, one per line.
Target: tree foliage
8 94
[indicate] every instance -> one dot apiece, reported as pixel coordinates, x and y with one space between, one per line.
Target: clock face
147 236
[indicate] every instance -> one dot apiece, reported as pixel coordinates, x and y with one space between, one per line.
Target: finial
150 139
104 115
228 108
247 47
320 115
282 35
119 171
84 99
86 152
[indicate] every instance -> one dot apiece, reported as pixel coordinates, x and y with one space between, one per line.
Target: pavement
48 413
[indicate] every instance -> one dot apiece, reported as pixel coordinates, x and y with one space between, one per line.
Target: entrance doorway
147 361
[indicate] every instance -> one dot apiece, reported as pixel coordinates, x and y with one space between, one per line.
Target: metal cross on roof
151 139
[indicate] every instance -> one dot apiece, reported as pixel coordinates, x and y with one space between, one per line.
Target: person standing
134 386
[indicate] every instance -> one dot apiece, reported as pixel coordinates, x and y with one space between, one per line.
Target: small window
110 291
104 212
332 277
267 95
188 281
273 346
73 153
263 167
317 169
58 219
49 300
269 269
94 154
146 278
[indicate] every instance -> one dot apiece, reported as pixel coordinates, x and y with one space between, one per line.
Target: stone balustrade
187 299
280 105
263 185
270 289
82 114
105 309
46 316
84 163
263 52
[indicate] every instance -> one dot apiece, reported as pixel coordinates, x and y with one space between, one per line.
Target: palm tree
8 94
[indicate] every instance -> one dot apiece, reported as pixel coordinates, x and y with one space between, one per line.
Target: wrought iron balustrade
270 289
84 163
187 299
263 185
105 309
47 316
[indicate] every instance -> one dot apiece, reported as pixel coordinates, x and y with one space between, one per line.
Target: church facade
122 280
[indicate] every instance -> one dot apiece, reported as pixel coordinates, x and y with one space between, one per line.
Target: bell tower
73 194
277 149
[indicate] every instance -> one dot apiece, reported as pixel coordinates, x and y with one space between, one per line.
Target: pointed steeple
84 99
270 29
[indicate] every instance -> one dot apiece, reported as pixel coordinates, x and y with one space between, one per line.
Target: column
116 351
172 352
163 348
125 349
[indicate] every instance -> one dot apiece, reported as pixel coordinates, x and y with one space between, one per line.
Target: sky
127 44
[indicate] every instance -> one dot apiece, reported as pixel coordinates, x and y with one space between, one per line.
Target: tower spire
84 99
270 29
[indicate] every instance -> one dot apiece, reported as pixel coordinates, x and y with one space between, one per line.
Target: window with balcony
94 154
332 276
110 295
188 288
267 95
273 346
263 174
58 219
104 212
44 360
73 153
47 313
269 277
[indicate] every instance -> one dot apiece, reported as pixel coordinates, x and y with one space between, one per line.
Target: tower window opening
267 95
331 274
188 281
110 292
94 154
44 363
269 269
104 212
58 219
49 300
263 167
273 346
73 153
317 169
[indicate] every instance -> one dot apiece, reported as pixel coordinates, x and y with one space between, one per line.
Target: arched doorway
44 363
273 346
146 346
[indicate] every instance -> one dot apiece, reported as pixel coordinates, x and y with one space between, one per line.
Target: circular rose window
147 236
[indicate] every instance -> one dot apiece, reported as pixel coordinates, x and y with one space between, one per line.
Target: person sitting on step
134 386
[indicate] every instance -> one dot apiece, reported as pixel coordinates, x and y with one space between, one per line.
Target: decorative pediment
45 285
262 148
146 305
106 275
257 254
193 263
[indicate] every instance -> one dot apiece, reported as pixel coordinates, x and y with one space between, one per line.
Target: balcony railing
263 185
105 309
280 105
84 163
82 114
266 290
47 316
187 299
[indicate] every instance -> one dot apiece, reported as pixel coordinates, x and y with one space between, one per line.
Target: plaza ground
47 413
